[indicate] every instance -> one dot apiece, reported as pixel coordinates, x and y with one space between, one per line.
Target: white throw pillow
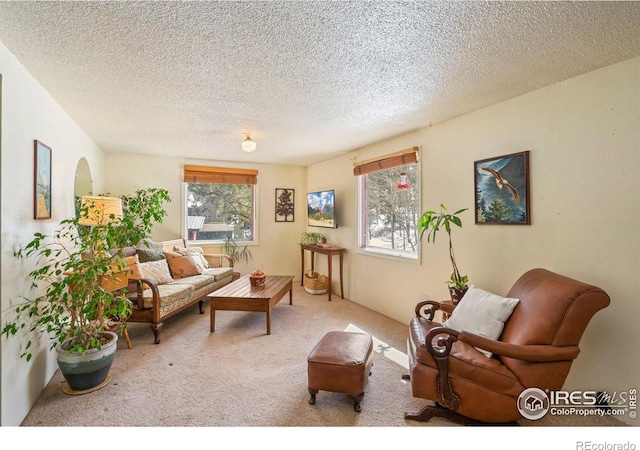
156 271
482 313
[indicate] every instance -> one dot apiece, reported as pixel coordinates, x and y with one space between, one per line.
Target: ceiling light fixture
248 145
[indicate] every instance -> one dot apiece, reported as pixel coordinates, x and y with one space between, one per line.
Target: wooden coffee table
239 295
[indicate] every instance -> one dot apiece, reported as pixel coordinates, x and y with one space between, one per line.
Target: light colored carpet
241 377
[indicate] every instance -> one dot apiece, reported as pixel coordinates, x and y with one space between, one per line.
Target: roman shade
406 156
224 175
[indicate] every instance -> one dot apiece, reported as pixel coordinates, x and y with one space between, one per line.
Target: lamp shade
100 210
248 145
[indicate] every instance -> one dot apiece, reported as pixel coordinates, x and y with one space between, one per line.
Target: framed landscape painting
502 190
41 181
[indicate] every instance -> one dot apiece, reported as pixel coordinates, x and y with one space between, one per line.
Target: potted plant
236 252
81 287
312 238
431 222
141 211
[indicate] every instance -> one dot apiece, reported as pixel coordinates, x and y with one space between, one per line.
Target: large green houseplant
78 280
430 223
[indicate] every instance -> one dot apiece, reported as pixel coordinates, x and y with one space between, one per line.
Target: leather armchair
537 346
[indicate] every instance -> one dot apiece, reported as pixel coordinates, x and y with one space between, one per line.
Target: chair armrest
439 341
534 353
428 308
218 259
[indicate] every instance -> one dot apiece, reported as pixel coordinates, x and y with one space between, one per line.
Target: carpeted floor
241 377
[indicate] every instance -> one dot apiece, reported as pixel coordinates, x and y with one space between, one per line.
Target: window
220 203
389 204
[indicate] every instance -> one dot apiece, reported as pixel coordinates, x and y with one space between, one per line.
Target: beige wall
583 136
276 251
28 113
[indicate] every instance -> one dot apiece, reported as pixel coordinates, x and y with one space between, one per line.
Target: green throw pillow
149 254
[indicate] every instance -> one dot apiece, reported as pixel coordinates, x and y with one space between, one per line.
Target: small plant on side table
312 238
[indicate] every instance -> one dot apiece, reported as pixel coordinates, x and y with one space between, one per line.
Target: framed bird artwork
502 190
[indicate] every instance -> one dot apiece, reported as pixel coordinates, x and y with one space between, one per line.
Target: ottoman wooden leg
356 401
312 399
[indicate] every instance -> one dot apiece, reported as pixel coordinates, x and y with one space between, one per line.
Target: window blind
406 156
224 175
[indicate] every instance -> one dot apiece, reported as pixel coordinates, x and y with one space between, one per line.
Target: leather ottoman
341 362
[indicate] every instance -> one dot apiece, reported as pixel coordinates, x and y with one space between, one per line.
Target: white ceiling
309 80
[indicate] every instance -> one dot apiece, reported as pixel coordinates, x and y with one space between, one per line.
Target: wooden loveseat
154 297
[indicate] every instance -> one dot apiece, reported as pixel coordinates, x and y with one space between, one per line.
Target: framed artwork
41 181
284 205
502 190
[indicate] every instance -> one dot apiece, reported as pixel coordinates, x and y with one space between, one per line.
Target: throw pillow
198 255
156 271
149 254
180 265
133 271
133 267
482 313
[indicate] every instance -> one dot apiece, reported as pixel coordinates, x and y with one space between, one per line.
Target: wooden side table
330 252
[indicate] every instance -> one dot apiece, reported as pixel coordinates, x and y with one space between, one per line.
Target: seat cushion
172 296
197 281
218 273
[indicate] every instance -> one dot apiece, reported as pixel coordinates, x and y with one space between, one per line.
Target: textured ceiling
309 80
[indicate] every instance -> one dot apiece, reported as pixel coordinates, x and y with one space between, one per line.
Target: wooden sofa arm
136 286
218 260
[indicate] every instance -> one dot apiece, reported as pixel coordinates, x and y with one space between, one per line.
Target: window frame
217 242
361 221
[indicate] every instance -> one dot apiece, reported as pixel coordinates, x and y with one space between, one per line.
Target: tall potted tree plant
80 285
430 223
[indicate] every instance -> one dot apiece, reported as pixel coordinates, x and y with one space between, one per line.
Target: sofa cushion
180 265
172 297
156 271
197 281
197 253
218 273
132 269
482 313
149 254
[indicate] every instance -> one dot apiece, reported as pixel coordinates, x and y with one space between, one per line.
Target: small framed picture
502 190
284 205
41 181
